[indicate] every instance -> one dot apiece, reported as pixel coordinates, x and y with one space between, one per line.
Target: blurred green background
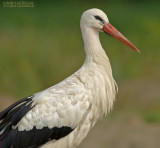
41 46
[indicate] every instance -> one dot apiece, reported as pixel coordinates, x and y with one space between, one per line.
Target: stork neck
92 45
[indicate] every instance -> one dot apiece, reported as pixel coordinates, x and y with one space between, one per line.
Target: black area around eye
99 18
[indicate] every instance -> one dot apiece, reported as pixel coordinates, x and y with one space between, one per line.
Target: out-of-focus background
41 46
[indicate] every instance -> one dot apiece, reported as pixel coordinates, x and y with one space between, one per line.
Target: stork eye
99 18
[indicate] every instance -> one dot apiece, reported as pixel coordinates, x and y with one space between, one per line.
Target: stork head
94 18
98 20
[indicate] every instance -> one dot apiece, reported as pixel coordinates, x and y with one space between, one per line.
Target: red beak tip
138 50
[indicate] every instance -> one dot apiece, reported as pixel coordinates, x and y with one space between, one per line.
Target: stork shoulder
61 105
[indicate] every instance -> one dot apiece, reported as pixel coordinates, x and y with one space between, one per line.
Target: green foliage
152 117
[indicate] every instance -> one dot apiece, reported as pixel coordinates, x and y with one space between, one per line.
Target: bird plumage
62 115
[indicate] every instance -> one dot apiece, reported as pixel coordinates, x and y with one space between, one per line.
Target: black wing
13 138
15 112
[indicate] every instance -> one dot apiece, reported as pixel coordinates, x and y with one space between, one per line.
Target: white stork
62 115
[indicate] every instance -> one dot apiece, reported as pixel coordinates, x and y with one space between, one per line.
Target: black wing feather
13 138
4 113
20 113
33 138
12 113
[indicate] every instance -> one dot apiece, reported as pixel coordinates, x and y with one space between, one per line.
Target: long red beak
111 30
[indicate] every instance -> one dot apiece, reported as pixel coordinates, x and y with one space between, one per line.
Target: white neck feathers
92 45
103 80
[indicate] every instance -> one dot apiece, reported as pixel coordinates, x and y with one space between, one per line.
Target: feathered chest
100 85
